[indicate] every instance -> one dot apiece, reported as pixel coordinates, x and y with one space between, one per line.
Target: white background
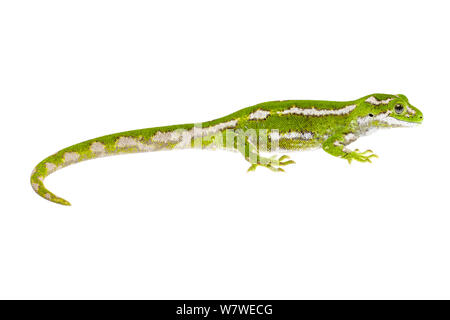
194 224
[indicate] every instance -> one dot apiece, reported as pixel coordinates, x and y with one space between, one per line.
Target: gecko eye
398 108
370 115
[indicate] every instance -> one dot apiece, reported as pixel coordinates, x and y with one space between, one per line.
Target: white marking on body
367 120
410 110
130 142
308 135
319 112
126 142
184 137
97 147
393 122
71 157
48 196
259 115
384 118
374 101
51 167
274 135
215 129
291 135
35 186
163 137
347 150
198 132
350 137
297 135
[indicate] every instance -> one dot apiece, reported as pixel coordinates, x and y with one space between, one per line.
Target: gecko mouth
394 122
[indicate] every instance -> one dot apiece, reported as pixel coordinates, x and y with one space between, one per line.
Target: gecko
265 128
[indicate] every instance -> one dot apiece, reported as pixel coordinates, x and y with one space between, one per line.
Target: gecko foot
359 156
272 163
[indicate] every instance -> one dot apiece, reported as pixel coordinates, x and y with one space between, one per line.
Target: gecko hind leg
273 163
244 143
359 156
250 152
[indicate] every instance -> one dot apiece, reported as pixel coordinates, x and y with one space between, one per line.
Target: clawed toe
273 163
285 163
360 156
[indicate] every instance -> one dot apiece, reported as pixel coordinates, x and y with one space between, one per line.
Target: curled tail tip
61 201
38 186
47 195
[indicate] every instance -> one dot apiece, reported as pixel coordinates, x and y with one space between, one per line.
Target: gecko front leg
336 146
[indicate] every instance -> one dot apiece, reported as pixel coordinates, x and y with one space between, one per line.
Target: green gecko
266 127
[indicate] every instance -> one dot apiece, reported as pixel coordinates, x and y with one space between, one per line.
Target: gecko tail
114 144
37 183
50 196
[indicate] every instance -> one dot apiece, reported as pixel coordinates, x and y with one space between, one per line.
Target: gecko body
276 126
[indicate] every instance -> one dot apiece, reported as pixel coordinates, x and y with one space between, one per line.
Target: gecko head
392 111
402 113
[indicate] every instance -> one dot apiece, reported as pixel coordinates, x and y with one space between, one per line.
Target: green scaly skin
289 125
